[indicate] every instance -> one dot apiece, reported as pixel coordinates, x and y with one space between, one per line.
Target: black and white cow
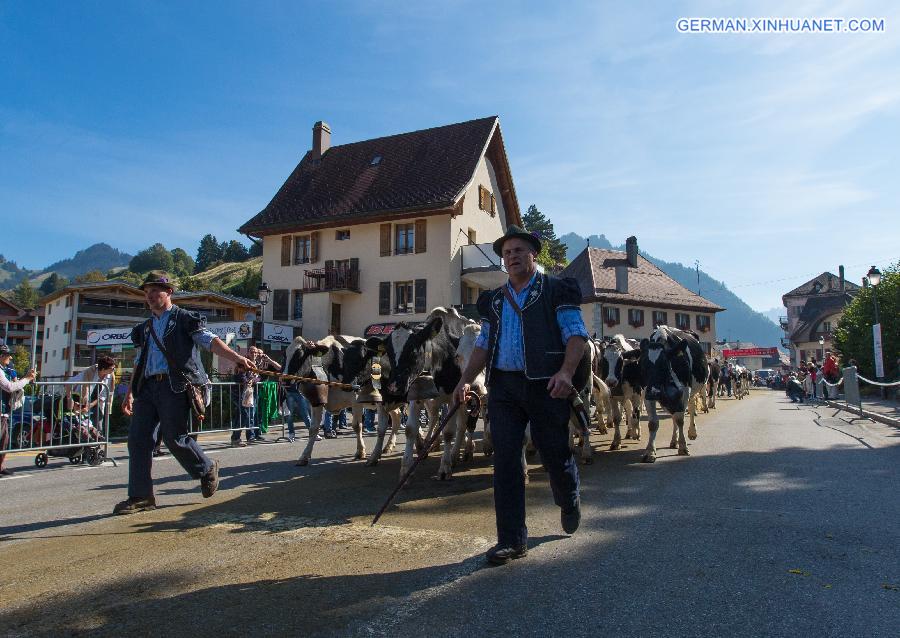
341 359
410 352
620 369
674 369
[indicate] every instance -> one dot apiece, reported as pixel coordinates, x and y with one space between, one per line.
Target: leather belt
158 377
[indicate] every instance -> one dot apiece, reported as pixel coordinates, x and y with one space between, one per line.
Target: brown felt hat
514 232
158 278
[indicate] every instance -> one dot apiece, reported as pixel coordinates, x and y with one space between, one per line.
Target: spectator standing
9 388
96 395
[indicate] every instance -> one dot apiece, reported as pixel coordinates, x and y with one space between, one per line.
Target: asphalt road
784 521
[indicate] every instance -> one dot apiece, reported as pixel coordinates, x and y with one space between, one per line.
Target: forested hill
102 257
738 322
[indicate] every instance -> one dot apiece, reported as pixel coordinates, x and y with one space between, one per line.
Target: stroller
70 429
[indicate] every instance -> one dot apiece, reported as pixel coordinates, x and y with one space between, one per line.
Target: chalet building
813 312
384 230
17 326
624 293
72 312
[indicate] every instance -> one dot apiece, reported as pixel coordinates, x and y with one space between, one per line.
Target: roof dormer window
375 161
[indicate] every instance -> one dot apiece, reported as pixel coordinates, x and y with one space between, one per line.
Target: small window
404 239
703 323
682 321
660 318
610 316
403 297
297 306
375 161
826 326
341 235
635 317
302 250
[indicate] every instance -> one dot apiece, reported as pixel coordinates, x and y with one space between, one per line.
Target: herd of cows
417 367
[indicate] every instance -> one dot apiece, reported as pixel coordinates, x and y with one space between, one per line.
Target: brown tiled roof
595 271
418 171
827 281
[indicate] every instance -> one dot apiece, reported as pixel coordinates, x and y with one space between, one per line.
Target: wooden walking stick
423 454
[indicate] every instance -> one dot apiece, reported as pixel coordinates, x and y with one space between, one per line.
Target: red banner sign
750 352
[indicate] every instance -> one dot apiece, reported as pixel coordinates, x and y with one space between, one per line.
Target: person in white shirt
93 394
7 390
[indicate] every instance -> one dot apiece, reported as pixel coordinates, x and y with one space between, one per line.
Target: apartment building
384 230
17 325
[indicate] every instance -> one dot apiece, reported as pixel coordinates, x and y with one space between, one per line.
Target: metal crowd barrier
224 413
49 421
850 379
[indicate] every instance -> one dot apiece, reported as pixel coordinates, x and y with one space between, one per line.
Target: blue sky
765 157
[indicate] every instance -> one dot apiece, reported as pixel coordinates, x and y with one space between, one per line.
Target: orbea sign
277 333
750 352
109 337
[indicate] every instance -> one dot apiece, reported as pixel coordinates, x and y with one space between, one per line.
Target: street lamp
264 292
874 277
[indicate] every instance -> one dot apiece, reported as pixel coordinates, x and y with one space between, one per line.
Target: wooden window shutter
385 240
421 225
314 247
493 210
482 196
286 250
280 305
420 295
384 297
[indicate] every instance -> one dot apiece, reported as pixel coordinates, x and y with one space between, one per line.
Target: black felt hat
158 278
514 232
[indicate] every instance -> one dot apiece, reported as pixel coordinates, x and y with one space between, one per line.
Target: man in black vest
158 392
532 339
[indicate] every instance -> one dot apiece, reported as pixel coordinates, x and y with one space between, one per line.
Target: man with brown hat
167 363
532 339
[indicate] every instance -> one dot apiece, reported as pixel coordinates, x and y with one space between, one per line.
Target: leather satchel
196 393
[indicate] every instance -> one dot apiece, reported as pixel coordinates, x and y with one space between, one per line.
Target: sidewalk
881 410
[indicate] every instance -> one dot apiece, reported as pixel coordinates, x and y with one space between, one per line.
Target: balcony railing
783 322
327 280
96 309
785 342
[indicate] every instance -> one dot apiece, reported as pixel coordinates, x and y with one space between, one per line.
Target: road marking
16 476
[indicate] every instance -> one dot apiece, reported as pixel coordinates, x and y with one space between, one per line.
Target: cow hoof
371 462
526 479
615 445
301 462
359 456
649 458
692 436
683 452
673 445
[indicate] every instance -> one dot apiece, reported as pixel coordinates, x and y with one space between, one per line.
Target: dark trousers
513 403
156 403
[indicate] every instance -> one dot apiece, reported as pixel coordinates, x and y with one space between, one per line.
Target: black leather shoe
209 482
570 518
502 554
135 504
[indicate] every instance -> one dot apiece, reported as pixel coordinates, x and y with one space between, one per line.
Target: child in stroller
69 432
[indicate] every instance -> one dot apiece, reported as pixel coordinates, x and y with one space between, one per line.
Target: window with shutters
486 201
703 323
610 316
302 249
341 235
297 306
404 239
682 320
280 305
635 317
660 318
403 297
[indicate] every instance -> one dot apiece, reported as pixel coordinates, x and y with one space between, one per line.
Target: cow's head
404 354
299 353
657 371
612 361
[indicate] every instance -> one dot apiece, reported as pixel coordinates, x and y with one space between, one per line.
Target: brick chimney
622 279
321 139
631 251
841 285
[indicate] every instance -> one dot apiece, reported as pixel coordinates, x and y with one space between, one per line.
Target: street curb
874 416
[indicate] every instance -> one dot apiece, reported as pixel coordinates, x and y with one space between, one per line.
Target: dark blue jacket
177 341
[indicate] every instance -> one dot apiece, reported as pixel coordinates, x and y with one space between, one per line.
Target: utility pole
697 266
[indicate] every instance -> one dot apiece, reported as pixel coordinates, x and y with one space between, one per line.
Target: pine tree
235 251
53 283
157 257
208 253
183 263
553 254
25 295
